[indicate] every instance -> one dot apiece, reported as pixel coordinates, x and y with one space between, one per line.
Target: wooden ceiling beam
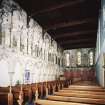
73 34
58 6
77 41
86 36
79 46
69 24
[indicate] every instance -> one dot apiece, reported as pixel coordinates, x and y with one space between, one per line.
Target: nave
52 52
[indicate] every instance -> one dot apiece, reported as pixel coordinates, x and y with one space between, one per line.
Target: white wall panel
23 42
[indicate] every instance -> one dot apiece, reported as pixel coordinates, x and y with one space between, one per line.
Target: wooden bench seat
76 99
82 92
49 102
84 86
85 89
86 83
79 95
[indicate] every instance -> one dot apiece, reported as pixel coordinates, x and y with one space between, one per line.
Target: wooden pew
47 88
18 94
26 93
76 99
52 86
43 89
82 92
49 102
80 95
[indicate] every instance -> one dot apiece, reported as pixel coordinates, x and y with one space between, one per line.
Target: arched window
91 58
67 59
79 58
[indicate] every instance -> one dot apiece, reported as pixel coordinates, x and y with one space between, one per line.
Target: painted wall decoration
27 76
25 42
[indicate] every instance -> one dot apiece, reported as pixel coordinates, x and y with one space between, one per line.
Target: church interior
52 52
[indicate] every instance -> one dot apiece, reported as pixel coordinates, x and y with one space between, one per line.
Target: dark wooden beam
69 23
79 46
86 36
77 40
73 34
58 6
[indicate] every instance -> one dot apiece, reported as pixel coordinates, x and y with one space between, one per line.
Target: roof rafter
58 6
73 34
77 41
68 24
79 46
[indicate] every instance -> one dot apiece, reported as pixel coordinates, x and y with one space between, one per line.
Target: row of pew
54 93
20 94
76 94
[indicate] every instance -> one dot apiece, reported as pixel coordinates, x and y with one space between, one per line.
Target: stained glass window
91 58
67 59
79 58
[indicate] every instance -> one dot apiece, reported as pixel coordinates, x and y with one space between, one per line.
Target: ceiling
72 23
